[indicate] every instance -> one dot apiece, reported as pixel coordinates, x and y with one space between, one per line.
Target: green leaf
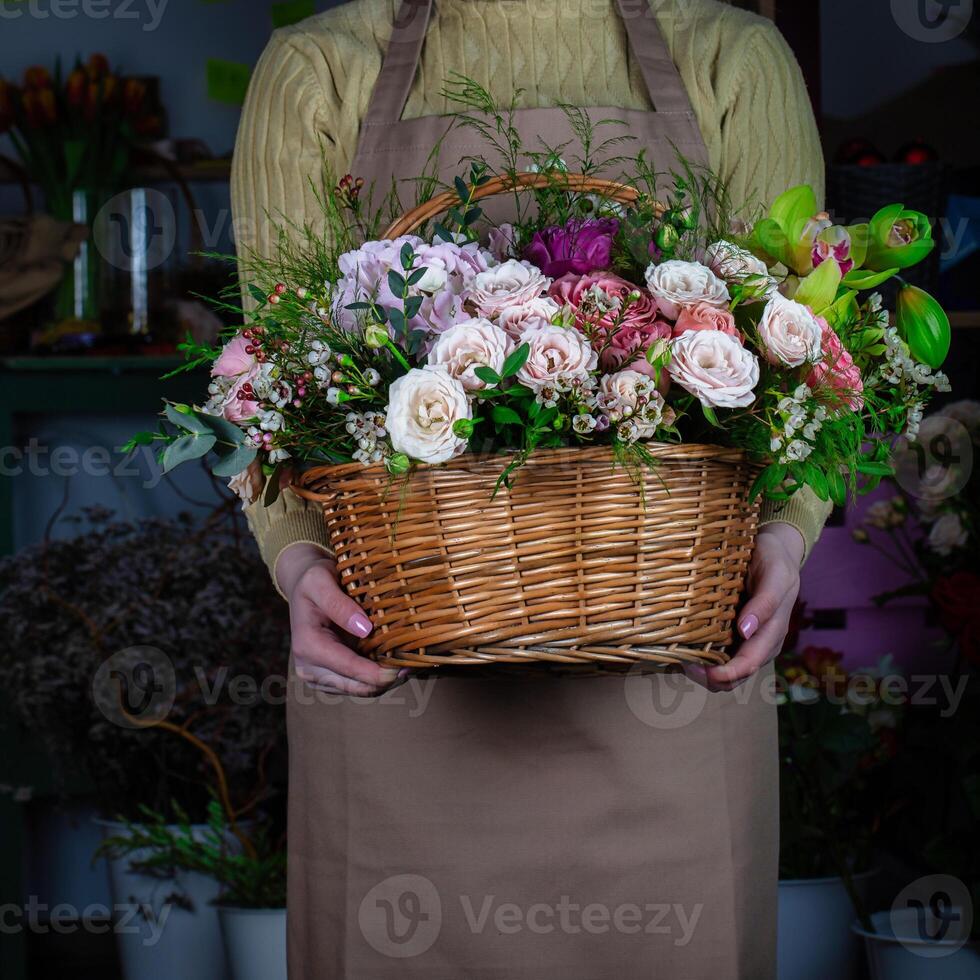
407 256
226 431
837 487
183 420
863 279
487 374
872 468
819 288
506 416
515 361
709 414
233 462
412 306
770 478
842 311
397 319
396 283
257 294
816 480
271 493
416 276
462 190
186 448
924 325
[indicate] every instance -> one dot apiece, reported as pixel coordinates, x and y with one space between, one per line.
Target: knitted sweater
311 87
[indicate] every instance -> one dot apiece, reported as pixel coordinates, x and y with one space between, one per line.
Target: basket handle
611 189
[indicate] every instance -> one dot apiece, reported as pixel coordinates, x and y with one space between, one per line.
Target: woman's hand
320 614
773 584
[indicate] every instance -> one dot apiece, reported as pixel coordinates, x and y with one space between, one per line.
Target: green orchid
897 238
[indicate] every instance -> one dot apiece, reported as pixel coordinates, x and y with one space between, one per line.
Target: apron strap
401 60
647 45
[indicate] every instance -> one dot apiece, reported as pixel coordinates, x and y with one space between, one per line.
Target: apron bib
524 828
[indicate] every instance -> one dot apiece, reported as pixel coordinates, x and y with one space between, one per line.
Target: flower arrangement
652 315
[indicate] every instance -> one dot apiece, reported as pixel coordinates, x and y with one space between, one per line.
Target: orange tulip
40 107
75 87
134 95
97 67
37 77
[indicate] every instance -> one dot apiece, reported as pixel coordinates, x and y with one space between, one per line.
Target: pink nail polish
403 673
748 626
359 625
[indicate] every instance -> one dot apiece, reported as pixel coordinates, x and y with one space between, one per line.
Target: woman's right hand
321 616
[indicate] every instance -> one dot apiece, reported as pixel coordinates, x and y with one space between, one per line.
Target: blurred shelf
204 171
105 363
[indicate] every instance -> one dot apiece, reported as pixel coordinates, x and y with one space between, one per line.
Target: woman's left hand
773 584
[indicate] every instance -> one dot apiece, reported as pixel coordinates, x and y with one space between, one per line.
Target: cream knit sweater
312 85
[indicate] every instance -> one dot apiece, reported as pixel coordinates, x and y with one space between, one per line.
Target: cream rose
555 353
678 285
514 320
422 407
947 534
512 283
790 332
468 345
734 263
714 367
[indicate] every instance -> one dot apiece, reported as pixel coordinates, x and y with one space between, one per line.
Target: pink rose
837 369
240 403
597 300
702 316
539 312
234 359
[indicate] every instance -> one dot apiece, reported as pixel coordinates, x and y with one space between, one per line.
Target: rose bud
97 67
76 87
37 77
398 465
375 335
134 94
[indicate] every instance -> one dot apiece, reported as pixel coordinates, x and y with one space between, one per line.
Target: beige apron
534 827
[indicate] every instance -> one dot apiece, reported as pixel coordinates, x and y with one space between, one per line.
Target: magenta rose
837 369
597 301
579 246
702 316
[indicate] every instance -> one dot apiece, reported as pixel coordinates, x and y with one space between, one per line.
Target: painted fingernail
359 625
387 676
748 626
404 672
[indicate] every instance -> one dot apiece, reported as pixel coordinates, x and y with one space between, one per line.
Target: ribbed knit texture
312 85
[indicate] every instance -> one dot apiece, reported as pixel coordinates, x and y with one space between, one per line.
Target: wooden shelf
964 319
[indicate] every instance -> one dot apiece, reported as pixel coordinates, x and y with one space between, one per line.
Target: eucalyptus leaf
233 462
186 448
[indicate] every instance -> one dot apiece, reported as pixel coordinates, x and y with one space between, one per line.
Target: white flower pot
896 951
165 928
815 941
255 942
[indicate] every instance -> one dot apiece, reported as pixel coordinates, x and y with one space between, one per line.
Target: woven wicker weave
573 565
583 564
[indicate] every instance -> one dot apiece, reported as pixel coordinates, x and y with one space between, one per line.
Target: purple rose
580 246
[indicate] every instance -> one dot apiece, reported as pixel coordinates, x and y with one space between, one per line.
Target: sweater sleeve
769 144
282 144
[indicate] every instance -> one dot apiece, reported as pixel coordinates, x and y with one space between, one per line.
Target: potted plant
112 637
930 529
836 731
247 866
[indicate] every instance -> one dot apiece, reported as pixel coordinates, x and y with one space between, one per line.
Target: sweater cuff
289 520
804 511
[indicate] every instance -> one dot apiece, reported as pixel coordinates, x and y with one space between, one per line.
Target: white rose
947 534
678 285
468 345
514 320
555 353
790 332
511 283
422 407
732 262
714 367
630 394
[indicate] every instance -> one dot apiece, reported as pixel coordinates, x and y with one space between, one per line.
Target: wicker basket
583 564
577 564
